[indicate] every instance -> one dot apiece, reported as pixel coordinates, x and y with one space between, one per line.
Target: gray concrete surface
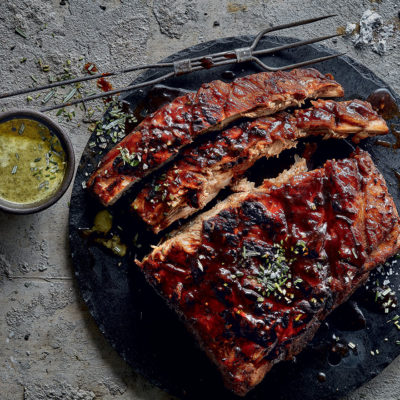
50 347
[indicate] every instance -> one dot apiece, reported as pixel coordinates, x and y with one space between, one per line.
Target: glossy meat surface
159 137
204 170
254 277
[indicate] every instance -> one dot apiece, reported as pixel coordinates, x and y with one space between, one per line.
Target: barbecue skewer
185 66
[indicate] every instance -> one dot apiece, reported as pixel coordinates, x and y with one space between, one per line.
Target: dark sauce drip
229 75
389 145
309 150
207 62
230 56
321 377
349 317
337 353
384 103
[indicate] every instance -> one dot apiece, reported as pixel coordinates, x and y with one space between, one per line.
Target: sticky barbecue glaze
254 279
159 137
203 170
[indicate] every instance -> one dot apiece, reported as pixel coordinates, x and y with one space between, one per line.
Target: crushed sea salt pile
372 32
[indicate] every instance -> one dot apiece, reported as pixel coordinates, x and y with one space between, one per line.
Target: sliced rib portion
254 277
159 137
204 170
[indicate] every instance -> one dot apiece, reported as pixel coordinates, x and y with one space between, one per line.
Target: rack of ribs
196 178
160 136
254 277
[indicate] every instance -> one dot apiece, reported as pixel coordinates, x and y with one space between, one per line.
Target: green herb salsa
32 161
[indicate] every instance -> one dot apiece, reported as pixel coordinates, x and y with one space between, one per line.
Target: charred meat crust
193 181
159 137
254 277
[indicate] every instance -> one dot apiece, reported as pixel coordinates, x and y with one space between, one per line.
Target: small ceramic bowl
30 208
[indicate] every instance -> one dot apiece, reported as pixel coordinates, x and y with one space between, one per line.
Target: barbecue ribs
254 277
195 179
159 137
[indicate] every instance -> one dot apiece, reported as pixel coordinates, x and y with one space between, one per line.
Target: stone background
50 347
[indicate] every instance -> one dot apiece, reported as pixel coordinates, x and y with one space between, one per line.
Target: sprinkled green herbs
131 159
274 275
297 281
112 127
21 33
48 96
21 129
70 95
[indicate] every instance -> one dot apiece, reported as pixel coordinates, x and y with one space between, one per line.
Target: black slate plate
149 336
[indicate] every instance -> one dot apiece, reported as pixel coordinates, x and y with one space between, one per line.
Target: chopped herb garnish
48 96
21 129
70 95
131 159
21 32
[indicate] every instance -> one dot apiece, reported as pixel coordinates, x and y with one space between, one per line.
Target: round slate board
149 336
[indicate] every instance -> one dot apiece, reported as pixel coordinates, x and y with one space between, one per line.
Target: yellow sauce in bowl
32 161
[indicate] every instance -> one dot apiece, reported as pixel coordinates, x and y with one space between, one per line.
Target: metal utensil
188 65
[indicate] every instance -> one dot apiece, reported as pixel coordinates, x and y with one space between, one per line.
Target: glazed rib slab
159 137
254 277
195 179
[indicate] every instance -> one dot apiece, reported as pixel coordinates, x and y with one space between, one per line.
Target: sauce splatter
104 85
90 68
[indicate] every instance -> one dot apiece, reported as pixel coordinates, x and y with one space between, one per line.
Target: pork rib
159 137
254 277
204 170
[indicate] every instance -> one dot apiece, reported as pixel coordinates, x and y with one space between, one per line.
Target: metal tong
188 65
